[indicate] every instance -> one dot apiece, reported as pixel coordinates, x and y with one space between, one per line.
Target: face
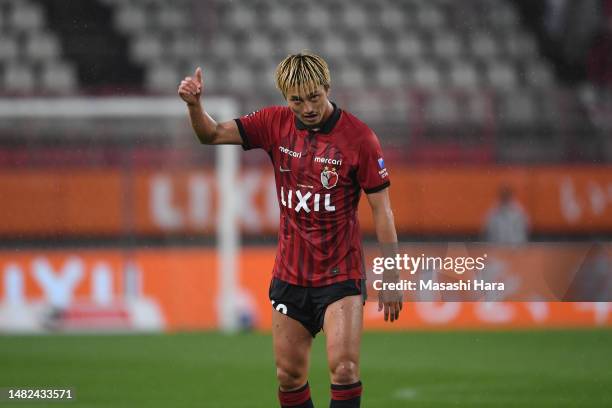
311 109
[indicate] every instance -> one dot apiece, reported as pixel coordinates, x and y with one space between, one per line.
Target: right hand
190 88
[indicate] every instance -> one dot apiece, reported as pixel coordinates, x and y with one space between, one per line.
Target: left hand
391 302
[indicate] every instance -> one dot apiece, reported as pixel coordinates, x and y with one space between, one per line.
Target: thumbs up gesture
190 88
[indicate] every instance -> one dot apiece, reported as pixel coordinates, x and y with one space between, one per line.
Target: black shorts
307 305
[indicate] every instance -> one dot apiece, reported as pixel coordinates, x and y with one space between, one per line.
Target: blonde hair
305 71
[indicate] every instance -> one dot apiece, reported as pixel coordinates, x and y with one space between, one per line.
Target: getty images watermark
456 272
404 263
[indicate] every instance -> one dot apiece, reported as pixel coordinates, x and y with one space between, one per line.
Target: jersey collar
329 124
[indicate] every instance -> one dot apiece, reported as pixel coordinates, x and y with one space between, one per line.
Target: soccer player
323 157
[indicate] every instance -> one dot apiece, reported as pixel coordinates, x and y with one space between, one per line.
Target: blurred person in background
323 157
507 223
567 30
600 55
572 25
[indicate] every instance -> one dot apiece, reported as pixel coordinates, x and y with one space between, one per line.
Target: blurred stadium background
109 208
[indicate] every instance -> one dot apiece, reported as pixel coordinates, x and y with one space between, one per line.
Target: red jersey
319 177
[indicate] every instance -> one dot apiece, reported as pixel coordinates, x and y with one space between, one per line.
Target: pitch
411 369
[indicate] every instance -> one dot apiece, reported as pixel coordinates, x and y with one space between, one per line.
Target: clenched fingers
189 86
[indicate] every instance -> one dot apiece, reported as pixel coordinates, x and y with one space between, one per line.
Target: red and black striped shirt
319 177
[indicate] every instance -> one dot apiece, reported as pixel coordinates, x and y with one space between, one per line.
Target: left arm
383 217
390 301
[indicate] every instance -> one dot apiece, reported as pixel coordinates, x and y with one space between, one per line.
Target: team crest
329 178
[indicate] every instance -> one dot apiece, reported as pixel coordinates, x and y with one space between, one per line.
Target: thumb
198 74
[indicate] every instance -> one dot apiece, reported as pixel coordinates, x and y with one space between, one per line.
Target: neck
328 111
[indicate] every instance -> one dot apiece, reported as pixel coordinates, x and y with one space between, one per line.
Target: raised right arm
207 130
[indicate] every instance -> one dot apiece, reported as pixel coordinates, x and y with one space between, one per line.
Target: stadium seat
517 109
409 47
58 77
529 127
9 49
483 45
146 47
519 45
294 44
185 45
131 18
447 45
258 47
476 108
501 75
372 47
390 76
466 18
25 16
224 47
429 16
239 78
441 110
548 111
445 60
353 18
172 17
335 47
264 77
477 49
501 15
280 18
537 74
391 18
19 78
368 107
397 108
425 75
240 17
351 75
41 46
316 18
463 75
162 77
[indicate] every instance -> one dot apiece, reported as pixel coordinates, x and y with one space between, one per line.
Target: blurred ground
418 369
